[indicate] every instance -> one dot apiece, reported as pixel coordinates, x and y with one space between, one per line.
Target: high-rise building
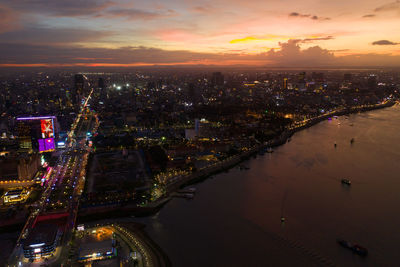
301 80
285 83
372 83
101 83
37 133
102 88
79 85
347 77
193 93
217 79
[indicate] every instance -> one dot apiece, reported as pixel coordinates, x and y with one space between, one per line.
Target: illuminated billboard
47 128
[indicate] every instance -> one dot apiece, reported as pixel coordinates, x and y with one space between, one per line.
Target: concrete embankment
97 213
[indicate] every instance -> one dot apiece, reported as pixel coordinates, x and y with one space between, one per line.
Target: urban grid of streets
69 173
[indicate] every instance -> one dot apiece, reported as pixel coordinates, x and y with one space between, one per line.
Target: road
65 185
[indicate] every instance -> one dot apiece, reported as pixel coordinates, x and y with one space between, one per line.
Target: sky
287 33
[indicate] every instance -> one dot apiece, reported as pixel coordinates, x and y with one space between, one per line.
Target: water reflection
235 218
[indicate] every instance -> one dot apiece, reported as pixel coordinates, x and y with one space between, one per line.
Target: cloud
369 16
388 7
203 9
295 14
46 54
137 14
290 54
60 8
313 17
41 35
266 37
308 40
274 37
384 42
8 19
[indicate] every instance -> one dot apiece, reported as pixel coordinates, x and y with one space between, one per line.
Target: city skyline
146 33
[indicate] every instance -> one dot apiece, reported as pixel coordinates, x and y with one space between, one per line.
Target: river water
234 219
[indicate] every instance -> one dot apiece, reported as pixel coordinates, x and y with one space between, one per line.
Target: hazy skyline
220 32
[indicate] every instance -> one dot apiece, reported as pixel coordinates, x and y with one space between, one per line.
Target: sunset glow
221 32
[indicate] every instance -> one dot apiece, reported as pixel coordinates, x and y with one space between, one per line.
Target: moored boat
360 250
346 181
355 248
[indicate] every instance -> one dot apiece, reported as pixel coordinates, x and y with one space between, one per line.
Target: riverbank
226 164
179 182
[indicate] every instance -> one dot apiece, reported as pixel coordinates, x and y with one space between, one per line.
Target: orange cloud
249 39
280 38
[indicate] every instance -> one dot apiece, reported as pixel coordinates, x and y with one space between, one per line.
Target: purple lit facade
46 144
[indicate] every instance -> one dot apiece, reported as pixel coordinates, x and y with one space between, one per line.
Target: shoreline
231 162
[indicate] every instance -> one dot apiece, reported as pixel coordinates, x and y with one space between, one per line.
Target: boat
188 195
346 181
355 248
269 150
360 250
344 243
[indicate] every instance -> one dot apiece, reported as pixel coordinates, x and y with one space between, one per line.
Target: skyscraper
302 80
285 83
79 84
102 88
372 82
217 79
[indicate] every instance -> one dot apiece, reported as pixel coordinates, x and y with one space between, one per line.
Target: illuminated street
62 190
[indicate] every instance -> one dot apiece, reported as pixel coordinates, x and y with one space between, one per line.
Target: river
234 219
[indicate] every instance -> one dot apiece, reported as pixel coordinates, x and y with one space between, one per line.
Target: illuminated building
37 133
44 236
98 244
23 167
42 241
28 165
16 195
302 80
285 83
